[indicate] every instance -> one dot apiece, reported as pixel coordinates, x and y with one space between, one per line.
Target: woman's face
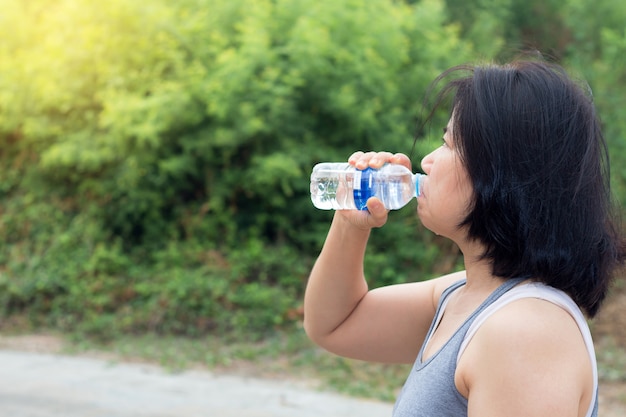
446 191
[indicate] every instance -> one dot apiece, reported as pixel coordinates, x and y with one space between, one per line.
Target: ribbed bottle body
340 186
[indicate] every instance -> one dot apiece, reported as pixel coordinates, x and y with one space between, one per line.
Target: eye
443 138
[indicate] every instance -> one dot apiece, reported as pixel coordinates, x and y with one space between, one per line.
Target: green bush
155 156
598 54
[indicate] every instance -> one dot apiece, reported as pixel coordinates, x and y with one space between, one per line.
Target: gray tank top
430 389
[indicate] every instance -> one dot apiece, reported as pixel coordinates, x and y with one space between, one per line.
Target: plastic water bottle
340 186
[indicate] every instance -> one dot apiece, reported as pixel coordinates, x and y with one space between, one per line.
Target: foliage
599 55
610 88
484 23
596 52
155 156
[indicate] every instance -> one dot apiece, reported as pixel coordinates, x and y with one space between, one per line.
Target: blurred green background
155 155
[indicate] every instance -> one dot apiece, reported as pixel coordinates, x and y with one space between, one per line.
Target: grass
285 355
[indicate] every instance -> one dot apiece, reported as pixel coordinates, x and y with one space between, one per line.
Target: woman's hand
387 324
376 214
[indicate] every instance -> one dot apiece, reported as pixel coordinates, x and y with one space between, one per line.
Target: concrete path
46 385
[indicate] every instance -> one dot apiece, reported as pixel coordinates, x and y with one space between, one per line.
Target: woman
520 184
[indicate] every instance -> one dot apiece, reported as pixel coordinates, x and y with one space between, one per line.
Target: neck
478 271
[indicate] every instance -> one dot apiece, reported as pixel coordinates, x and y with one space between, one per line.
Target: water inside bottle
331 191
397 191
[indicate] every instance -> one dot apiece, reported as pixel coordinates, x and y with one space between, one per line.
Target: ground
608 328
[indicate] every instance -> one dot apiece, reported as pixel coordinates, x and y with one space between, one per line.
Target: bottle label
363 187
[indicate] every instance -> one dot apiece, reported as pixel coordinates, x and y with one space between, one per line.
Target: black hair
532 144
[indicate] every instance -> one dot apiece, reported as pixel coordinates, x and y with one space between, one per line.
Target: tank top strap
443 301
445 297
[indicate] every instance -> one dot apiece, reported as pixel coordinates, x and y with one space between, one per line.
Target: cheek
462 185
450 203
447 196
442 210
459 202
466 190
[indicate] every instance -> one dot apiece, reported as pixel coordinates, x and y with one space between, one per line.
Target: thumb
378 212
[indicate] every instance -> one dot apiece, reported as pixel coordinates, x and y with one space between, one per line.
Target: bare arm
340 313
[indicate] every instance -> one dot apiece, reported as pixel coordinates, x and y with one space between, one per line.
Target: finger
363 160
355 157
377 212
401 159
380 159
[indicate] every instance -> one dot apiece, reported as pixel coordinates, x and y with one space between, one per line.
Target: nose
427 163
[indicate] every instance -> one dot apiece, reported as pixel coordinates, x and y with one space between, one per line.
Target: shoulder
536 325
523 355
441 284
